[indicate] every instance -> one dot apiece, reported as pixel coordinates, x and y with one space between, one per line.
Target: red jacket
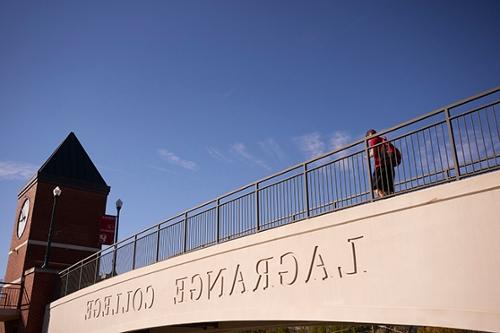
376 141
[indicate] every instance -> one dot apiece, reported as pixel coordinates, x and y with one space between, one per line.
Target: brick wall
15 265
76 222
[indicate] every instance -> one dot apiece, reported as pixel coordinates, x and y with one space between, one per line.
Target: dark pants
383 179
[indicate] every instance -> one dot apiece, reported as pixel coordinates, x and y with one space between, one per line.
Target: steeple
70 165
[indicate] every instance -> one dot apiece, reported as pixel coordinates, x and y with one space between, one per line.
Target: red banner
107 230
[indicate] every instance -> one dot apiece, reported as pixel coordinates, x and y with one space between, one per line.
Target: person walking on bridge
383 175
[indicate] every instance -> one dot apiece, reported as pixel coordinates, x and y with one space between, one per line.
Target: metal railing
11 295
448 144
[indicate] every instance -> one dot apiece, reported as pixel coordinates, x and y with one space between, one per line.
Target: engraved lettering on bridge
137 300
281 271
262 272
179 295
295 273
320 263
238 278
354 260
211 286
198 289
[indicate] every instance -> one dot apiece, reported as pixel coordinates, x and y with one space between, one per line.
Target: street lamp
119 205
57 192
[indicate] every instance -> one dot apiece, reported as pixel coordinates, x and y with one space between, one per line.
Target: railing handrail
441 109
10 283
13 292
301 165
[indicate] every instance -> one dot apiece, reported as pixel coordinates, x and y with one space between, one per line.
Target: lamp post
57 192
119 205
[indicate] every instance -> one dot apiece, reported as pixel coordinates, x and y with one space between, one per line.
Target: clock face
23 218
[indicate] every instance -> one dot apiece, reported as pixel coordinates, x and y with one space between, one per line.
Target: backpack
392 155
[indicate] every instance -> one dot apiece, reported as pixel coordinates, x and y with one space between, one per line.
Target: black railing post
158 243
368 170
115 249
20 296
80 277
5 295
66 286
452 143
257 208
134 251
96 269
306 191
185 231
217 221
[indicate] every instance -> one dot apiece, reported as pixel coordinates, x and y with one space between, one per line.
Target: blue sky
177 102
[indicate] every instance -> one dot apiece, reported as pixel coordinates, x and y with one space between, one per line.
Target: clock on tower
23 218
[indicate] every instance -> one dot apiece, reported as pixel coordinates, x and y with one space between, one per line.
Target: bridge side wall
425 258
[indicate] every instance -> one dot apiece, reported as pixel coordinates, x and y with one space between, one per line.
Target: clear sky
178 102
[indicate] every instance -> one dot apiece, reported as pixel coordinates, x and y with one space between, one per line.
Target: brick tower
75 233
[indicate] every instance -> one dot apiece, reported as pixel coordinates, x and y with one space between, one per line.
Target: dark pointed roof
70 164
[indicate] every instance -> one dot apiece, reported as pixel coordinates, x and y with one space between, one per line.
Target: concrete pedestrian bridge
312 244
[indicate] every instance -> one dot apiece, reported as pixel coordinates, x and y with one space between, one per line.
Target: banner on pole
107 230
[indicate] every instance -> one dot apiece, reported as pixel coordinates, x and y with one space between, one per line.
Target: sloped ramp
426 258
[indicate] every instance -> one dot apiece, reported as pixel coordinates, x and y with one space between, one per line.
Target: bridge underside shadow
219 327
222 327
426 258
